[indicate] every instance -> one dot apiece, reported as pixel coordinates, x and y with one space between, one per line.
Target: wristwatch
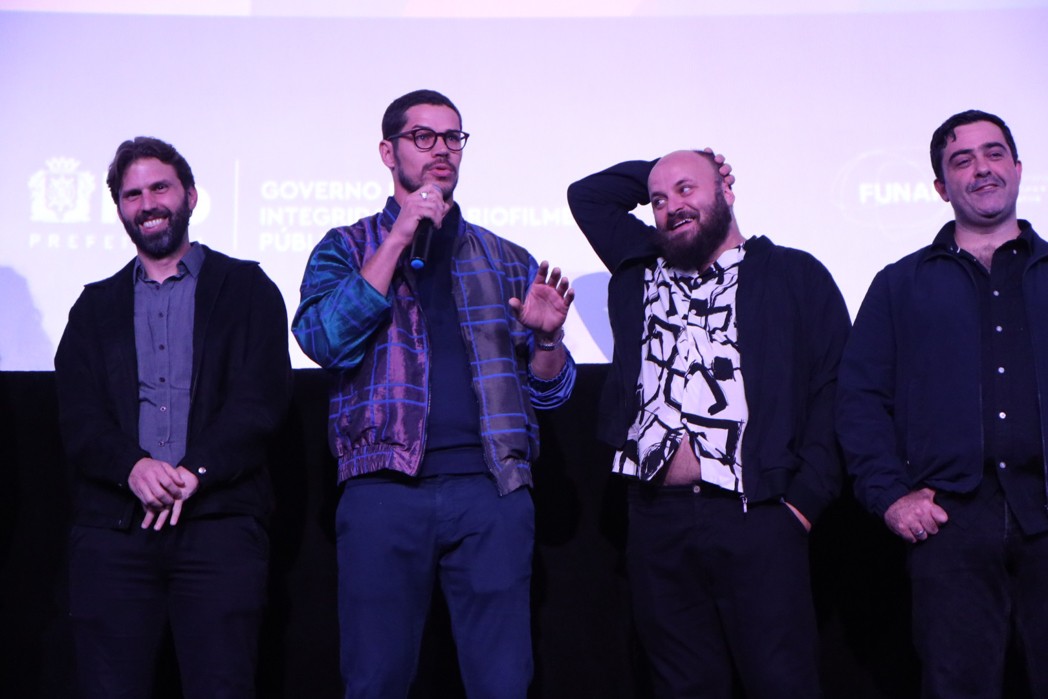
553 343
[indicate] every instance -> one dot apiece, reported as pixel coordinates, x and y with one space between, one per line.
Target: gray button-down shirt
164 314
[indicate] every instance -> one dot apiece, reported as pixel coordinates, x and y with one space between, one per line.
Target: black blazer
240 391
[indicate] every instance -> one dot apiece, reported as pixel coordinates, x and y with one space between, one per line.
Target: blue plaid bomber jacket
379 348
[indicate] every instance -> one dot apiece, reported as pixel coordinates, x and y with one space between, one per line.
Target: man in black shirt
939 415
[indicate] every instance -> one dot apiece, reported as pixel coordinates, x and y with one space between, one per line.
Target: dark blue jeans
715 588
396 538
977 584
205 578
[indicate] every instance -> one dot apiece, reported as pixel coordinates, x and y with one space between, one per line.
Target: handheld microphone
420 245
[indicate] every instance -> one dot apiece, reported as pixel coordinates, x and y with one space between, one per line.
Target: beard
412 184
158 246
694 250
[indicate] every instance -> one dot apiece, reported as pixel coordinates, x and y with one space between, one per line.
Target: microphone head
417 263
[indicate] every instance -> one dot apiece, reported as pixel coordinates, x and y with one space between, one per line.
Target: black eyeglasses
425 139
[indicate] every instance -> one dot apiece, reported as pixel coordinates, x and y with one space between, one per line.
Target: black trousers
205 579
716 588
976 583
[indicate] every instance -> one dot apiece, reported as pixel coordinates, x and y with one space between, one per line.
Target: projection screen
825 110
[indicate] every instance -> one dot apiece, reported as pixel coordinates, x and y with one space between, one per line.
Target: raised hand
545 308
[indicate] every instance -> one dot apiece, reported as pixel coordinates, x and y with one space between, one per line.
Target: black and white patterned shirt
690 381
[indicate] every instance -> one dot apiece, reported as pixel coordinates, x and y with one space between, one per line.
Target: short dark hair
396 113
146 147
946 132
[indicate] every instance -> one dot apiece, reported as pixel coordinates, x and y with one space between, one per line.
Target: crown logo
62 166
60 192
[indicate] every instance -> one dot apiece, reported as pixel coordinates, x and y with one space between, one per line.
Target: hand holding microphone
424 209
420 211
419 252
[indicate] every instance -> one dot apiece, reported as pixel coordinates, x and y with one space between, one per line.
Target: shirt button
163 347
1002 465
996 293
163 408
696 489
161 443
999 329
1002 414
1000 370
163 380
202 470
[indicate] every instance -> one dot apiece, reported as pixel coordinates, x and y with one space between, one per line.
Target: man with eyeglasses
440 355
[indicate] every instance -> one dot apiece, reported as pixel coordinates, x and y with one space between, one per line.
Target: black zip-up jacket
792 324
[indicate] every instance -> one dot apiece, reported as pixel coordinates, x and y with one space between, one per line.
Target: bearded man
442 340
719 403
172 376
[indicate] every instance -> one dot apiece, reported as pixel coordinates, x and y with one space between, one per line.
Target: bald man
727 347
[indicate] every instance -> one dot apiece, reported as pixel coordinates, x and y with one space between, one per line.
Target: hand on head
725 167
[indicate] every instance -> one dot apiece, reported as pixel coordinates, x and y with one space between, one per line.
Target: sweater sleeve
552 393
865 405
601 204
96 442
821 474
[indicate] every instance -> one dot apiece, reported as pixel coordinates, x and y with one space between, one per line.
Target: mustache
143 216
983 181
440 162
677 216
